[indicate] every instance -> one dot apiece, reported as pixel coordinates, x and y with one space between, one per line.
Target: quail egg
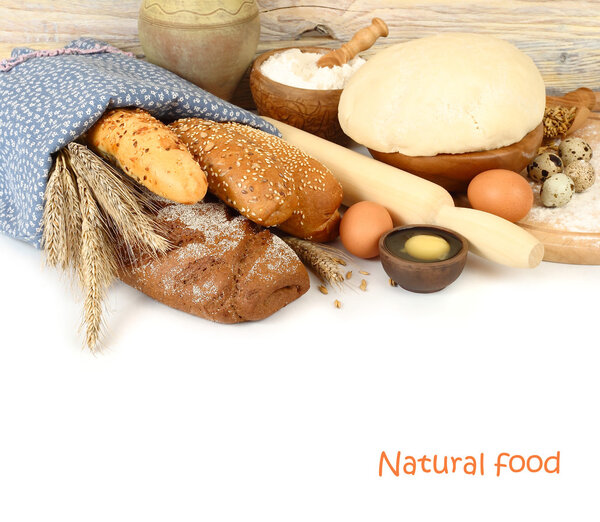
572 149
582 173
544 166
557 190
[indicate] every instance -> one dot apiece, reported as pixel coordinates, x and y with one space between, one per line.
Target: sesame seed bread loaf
240 160
149 152
223 268
240 171
319 192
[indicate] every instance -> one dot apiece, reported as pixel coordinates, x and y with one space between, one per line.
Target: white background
181 419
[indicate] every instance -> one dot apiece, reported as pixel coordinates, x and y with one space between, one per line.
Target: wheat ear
91 208
96 265
322 261
72 210
119 202
54 235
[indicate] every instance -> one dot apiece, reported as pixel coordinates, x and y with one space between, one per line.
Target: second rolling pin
411 199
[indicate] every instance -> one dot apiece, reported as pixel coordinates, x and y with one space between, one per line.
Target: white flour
298 69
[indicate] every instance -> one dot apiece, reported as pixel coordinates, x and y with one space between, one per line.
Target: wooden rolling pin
413 200
361 41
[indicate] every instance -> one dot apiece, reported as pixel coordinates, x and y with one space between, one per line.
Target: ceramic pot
208 42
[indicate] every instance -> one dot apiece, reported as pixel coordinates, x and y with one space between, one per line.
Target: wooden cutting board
571 234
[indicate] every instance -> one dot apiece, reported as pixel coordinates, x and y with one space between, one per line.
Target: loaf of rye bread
222 266
264 178
149 152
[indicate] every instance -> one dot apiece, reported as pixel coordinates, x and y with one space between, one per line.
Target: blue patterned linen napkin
49 98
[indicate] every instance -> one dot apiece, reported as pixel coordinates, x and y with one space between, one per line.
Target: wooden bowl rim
299 90
474 155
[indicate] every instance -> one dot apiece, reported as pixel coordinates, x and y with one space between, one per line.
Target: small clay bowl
312 110
455 171
422 276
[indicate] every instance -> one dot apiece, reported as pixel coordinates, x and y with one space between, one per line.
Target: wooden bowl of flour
455 171
312 110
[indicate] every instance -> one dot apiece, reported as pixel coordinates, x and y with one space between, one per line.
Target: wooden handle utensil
361 41
411 200
582 97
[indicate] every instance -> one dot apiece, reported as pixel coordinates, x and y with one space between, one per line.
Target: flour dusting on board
582 213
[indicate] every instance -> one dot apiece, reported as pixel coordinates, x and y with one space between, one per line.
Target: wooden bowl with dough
312 110
455 171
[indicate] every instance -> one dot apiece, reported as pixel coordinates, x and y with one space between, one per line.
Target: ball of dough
449 93
557 190
582 173
544 166
573 149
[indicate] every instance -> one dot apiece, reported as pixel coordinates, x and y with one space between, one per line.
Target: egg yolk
427 248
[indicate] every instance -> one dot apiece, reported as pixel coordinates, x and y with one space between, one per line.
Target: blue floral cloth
48 101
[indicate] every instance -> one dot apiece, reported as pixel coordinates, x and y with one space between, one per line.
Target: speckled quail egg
582 173
544 166
572 149
557 190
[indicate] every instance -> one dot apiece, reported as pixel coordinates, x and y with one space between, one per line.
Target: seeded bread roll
223 268
319 192
238 158
149 152
240 171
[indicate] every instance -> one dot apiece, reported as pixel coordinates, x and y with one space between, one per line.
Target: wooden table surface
561 36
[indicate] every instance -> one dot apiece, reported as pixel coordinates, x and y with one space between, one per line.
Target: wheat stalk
90 209
323 260
54 235
72 210
96 267
125 206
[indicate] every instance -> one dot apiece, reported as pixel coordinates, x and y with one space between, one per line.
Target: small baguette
149 152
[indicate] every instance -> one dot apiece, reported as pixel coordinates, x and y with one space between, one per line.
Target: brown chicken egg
361 227
501 192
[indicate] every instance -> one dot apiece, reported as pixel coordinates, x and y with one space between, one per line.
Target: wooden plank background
562 36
